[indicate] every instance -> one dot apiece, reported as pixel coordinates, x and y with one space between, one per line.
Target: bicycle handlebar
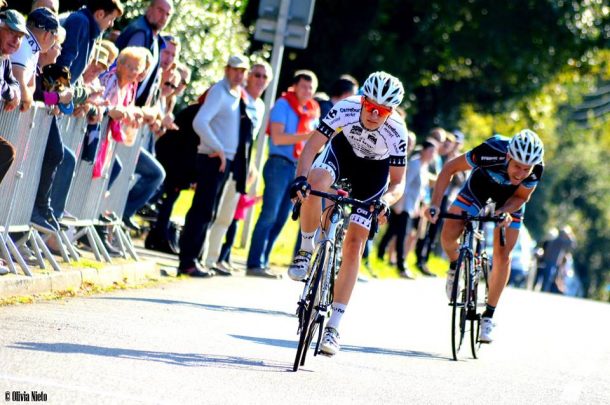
464 216
344 200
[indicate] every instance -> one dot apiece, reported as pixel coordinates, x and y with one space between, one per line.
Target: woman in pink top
121 85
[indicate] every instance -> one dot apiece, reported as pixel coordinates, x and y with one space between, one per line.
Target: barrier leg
37 251
127 241
6 255
17 256
60 244
117 237
45 250
68 244
100 245
90 231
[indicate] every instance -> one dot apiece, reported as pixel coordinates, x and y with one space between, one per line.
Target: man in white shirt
42 25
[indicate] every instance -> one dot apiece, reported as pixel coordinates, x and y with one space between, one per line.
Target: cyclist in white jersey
366 142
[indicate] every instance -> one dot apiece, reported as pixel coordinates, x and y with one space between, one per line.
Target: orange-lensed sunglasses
371 107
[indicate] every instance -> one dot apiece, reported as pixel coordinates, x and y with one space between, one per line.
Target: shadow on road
179 359
289 344
210 307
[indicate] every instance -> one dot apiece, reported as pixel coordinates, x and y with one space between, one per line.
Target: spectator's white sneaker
330 342
486 331
300 266
449 283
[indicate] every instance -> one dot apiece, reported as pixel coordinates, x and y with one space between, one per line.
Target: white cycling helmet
383 88
526 147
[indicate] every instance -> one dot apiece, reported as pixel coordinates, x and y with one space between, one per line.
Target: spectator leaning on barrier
12 30
292 119
145 32
217 124
257 81
42 25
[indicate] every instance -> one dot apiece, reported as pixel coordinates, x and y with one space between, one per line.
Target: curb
132 273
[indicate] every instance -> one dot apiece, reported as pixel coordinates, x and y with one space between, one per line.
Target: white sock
307 241
335 317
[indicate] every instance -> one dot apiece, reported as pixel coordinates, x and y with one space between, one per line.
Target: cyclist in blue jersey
365 141
507 171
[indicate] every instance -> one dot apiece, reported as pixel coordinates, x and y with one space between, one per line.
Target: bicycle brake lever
296 211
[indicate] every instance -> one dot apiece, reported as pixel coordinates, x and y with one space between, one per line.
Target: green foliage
209 31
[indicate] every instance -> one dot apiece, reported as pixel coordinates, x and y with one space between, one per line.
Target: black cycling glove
299 184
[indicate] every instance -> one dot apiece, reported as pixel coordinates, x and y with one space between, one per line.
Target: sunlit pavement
233 339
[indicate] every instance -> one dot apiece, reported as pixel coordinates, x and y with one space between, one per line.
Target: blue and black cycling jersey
489 177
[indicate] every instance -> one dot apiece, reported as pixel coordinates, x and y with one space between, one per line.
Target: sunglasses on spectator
260 75
170 85
378 109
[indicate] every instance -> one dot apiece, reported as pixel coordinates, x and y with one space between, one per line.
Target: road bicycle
470 287
315 301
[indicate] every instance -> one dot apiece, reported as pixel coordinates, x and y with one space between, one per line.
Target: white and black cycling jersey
387 142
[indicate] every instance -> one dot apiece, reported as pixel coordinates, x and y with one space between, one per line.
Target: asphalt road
233 340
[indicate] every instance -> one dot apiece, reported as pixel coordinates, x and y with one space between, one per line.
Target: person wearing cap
43 26
257 81
292 120
217 123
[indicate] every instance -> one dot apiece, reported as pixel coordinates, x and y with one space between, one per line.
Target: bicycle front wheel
458 304
480 299
308 310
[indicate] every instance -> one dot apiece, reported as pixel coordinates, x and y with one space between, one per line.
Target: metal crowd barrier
119 192
28 132
85 197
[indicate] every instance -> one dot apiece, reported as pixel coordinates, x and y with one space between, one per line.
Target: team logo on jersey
332 114
372 138
356 130
492 158
402 146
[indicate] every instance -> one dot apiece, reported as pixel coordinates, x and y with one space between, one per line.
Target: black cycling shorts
368 178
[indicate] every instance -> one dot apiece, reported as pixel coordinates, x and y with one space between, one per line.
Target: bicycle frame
316 298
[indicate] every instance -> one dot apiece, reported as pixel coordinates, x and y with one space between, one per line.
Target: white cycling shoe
330 342
300 266
486 331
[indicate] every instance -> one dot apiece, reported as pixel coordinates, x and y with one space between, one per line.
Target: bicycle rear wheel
458 304
308 310
479 299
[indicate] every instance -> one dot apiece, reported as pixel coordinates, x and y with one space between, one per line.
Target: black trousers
210 183
53 155
7 156
397 227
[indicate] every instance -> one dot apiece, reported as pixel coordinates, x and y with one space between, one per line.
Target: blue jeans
278 174
61 184
115 170
151 177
